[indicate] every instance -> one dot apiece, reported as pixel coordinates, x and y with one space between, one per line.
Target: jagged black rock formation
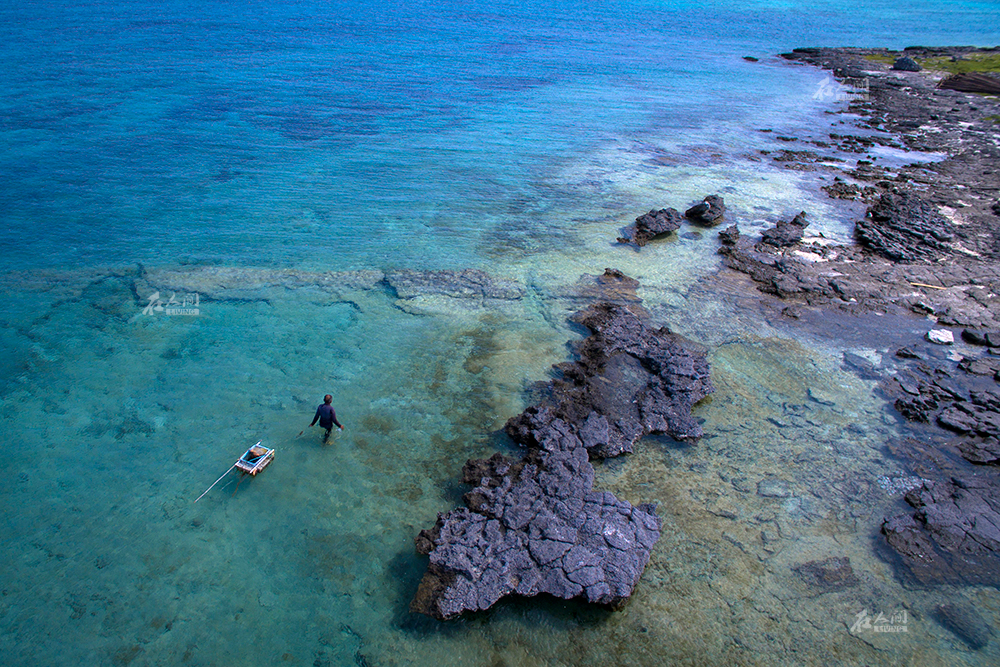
535 525
905 228
629 381
730 236
708 212
786 232
650 225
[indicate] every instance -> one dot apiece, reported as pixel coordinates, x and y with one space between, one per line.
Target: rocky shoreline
928 245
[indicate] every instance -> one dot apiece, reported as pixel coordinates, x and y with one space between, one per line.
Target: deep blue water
312 131
235 151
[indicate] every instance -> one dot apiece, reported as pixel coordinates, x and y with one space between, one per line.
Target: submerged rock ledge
536 525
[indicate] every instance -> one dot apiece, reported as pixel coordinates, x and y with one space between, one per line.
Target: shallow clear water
147 147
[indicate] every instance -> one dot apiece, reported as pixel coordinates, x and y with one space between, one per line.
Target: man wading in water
327 417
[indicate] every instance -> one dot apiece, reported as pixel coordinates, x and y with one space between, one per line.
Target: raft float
252 462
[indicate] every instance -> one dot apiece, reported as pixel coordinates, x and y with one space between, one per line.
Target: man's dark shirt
327 416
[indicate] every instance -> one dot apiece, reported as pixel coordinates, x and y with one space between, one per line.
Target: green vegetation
970 62
995 118
884 58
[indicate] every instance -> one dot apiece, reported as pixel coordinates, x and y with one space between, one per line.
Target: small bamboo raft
252 462
256 459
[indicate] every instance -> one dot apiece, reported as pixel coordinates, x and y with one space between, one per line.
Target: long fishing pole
216 482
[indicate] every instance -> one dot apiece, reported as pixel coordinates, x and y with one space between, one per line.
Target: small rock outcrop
730 236
650 225
708 212
786 233
904 228
906 64
987 338
536 525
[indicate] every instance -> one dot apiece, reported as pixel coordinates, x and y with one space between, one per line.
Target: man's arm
333 413
315 418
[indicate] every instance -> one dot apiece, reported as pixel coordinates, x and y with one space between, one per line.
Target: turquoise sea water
238 153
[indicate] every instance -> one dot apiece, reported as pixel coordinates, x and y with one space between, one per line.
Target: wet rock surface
953 535
536 525
708 212
903 227
650 225
786 233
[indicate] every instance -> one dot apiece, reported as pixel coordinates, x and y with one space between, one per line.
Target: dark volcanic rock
978 416
630 381
988 338
906 64
905 228
536 525
650 225
972 82
983 452
708 212
842 190
641 380
730 236
538 528
786 233
954 533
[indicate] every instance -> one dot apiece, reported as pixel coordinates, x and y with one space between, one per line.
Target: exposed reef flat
929 245
536 525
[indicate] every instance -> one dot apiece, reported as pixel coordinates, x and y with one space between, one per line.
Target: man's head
328 399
